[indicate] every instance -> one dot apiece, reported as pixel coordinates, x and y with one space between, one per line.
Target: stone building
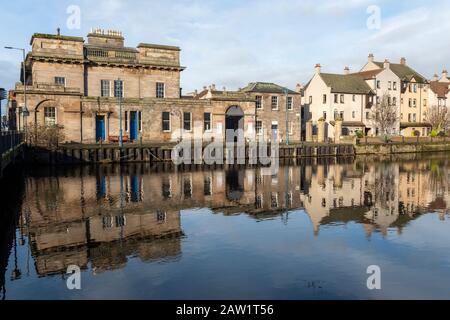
82 87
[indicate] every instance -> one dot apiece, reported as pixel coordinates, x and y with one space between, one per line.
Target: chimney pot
371 57
387 64
346 70
318 68
403 61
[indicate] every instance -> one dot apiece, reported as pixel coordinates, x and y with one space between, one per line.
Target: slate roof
341 83
264 87
369 74
404 72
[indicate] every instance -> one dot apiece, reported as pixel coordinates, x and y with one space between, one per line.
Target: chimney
318 68
346 71
387 64
403 61
435 77
58 31
213 87
371 57
444 76
299 88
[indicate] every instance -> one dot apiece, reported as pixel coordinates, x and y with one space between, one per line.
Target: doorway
133 126
234 121
100 132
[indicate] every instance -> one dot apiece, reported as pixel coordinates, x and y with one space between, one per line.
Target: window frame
274 106
259 102
46 116
190 121
158 90
59 78
205 122
108 94
166 121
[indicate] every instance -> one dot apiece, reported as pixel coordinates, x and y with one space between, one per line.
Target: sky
231 43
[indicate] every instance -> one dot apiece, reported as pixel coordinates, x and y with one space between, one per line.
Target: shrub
359 134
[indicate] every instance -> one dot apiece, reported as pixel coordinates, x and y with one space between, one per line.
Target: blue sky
231 43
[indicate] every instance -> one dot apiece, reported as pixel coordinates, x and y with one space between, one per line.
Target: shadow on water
11 190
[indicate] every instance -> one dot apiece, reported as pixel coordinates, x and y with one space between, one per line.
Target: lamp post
287 115
2 97
119 93
25 112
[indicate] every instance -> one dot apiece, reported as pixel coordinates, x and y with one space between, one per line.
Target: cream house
439 90
330 97
407 90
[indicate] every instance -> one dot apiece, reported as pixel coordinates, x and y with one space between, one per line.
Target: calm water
309 232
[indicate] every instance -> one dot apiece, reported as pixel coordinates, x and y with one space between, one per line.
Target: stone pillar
309 131
321 131
338 130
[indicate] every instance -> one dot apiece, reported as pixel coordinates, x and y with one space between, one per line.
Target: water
309 232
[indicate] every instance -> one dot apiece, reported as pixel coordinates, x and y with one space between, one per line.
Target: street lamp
119 92
287 115
25 112
2 97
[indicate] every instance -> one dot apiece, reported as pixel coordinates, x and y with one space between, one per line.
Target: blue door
100 128
133 126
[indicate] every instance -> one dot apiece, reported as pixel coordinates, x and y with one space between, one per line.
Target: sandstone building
82 88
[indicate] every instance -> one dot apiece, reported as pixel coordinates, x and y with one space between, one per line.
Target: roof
341 83
369 74
55 37
440 88
158 46
404 72
265 87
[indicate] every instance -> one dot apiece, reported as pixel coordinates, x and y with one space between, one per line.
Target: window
342 98
394 101
160 90
166 126
310 99
207 121
259 102
187 121
336 98
258 127
105 88
290 103
414 103
389 85
395 85
207 186
118 88
424 102
60 81
410 103
378 84
409 117
342 115
274 103
324 99
324 115
415 88
50 116
354 98
414 117
367 115
353 114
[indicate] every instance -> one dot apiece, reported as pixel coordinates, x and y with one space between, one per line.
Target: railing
9 140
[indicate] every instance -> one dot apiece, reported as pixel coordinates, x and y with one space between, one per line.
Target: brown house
91 90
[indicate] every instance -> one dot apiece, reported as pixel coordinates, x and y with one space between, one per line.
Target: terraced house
406 88
92 90
331 97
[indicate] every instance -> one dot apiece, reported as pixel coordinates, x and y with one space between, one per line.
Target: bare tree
438 117
385 115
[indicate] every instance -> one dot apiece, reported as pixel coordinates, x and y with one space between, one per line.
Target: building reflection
100 217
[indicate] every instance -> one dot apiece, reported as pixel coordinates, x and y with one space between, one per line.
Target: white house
337 96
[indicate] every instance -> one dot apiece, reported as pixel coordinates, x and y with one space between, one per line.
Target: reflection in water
102 218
